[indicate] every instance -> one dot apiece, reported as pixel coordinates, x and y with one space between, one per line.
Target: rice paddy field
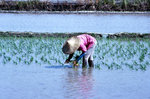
32 68
112 53
31 58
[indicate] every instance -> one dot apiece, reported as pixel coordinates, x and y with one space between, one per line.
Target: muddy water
41 82
99 23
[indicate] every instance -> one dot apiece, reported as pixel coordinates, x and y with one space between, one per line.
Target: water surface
38 82
97 23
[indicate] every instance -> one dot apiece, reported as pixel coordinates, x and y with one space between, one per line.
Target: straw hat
71 45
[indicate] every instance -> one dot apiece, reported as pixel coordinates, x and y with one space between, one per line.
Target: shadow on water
59 66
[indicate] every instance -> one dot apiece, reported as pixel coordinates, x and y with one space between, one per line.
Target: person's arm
70 56
83 49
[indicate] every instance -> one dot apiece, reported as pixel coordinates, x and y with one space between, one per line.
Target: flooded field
109 54
33 68
69 23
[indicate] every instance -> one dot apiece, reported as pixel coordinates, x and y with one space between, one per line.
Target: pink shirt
87 41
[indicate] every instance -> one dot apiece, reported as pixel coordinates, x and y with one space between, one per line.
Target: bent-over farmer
85 43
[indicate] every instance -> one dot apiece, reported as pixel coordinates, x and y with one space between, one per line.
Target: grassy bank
110 53
98 5
33 34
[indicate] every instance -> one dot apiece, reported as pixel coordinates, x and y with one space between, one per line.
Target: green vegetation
31 50
110 53
98 5
121 53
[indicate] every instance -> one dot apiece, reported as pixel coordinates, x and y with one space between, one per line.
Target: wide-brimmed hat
71 45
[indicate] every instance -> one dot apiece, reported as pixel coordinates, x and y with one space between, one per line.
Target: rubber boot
84 64
91 64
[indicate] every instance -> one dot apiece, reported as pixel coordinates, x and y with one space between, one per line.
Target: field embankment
33 34
90 5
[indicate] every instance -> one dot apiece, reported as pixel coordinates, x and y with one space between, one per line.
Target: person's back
87 41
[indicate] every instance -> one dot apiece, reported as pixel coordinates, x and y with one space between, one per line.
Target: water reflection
79 84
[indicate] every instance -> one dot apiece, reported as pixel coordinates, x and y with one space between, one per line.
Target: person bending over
85 43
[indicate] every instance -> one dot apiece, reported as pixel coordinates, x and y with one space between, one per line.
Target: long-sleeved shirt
87 41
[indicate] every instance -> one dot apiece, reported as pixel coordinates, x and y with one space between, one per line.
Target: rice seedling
125 4
113 2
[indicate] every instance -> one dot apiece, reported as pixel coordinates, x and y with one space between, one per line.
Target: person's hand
75 63
67 61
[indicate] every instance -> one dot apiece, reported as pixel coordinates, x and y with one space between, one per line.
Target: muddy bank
32 34
74 12
128 35
100 5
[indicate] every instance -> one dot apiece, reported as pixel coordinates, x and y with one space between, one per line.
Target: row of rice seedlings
30 50
117 53
109 53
